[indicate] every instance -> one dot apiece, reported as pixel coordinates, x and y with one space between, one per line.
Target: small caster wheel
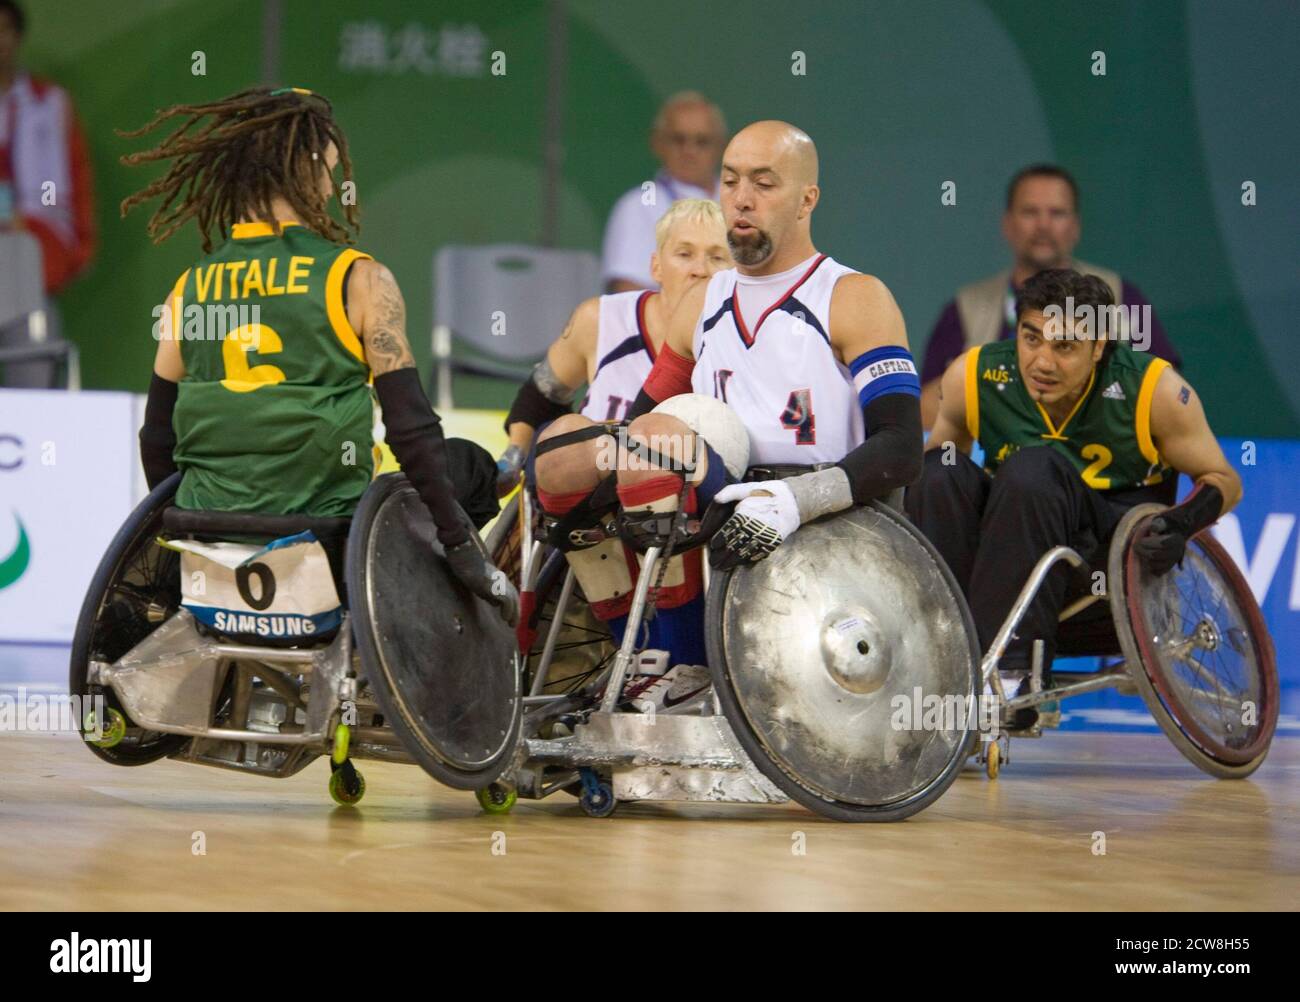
993 759
497 798
112 734
342 739
597 798
347 785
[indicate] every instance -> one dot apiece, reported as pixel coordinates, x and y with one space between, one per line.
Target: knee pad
649 508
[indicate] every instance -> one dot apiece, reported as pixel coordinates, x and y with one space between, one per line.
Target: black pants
473 475
993 530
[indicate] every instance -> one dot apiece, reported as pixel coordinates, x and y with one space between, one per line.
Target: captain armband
890 369
889 391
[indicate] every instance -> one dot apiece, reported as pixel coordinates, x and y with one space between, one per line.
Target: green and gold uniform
277 415
1106 437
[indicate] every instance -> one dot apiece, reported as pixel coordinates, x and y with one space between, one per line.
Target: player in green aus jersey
1076 428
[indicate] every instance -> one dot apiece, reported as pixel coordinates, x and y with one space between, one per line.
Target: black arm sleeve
157 437
1199 509
643 404
415 436
891 457
533 407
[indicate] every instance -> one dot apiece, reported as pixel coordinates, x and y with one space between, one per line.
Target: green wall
899 96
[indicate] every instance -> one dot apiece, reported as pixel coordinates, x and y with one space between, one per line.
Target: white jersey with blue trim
778 371
624 356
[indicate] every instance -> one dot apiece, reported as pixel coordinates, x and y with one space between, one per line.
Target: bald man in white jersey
811 355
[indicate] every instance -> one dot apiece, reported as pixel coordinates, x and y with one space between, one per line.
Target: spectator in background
1041 225
45 182
688 136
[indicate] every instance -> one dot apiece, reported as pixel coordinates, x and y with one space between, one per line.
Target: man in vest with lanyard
1076 429
276 415
1041 226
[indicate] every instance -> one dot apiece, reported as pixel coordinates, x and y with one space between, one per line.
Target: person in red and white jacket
45 189
41 143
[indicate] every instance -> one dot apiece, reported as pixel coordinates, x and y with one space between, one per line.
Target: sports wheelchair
808 653
1192 643
171 687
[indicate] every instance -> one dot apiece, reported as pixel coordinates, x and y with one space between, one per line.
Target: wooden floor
76 833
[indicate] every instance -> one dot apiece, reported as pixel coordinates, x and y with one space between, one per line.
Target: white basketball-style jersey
777 371
624 356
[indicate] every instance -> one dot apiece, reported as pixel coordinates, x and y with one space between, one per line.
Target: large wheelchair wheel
442 662
135 589
818 655
584 646
1197 649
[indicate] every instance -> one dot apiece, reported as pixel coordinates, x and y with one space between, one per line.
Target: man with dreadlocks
276 415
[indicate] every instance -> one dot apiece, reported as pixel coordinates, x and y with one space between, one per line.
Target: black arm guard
643 404
1201 508
533 407
415 436
891 457
157 437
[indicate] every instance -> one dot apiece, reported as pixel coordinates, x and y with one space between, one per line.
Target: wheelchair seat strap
581 526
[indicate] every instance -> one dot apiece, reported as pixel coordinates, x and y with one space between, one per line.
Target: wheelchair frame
612 755
282 707
1131 675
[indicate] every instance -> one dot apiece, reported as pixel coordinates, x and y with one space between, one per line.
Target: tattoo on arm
1184 395
385 334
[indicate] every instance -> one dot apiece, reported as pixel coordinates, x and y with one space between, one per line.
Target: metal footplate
655 757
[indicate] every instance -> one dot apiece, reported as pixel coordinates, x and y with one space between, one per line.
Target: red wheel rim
1153 658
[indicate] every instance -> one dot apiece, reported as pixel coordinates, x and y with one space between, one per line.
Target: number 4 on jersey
798 416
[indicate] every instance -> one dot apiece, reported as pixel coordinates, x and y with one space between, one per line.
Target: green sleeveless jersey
1107 437
275 413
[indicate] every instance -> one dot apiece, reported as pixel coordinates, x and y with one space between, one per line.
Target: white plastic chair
508 301
23 316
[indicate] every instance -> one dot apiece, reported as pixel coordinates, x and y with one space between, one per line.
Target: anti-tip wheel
993 759
342 739
112 734
347 785
496 798
598 802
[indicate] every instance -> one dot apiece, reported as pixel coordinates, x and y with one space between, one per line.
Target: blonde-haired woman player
610 342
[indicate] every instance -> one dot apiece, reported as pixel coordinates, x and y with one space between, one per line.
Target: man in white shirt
688 136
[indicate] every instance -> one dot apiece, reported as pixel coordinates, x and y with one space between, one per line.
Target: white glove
759 524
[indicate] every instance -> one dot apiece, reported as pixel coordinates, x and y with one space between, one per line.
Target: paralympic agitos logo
16 562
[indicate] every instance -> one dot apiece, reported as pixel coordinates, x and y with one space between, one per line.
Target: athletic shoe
670 692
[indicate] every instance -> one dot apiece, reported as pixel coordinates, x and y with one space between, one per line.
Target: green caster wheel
497 798
342 739
112 734
347 785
